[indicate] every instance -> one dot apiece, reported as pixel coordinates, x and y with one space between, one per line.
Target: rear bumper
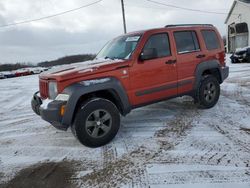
224 73
49 110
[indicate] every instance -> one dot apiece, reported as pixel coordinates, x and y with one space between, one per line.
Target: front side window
119 48
211 39
186 41
159 42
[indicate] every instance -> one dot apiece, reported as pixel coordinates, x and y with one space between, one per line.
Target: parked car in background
35 70
241 55
9 74
22 72
2 76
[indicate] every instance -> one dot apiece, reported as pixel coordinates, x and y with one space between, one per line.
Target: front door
156 78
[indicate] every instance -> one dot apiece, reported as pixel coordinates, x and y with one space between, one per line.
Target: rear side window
211 39
186 41
161 43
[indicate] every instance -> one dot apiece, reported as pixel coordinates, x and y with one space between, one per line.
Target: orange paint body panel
145 81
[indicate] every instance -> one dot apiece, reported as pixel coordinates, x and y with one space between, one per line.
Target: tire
248 59
234 61
96 123
208 92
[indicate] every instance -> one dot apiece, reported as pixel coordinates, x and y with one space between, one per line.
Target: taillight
222 59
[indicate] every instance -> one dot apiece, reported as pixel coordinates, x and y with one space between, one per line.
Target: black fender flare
77 90
207 65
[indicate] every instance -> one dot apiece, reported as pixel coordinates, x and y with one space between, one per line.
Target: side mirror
147 54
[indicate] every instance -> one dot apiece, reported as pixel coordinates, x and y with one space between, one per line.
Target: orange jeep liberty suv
131 71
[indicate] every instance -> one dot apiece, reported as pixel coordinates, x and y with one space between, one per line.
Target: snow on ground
170 144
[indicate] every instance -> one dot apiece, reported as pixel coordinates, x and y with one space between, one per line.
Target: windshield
119 48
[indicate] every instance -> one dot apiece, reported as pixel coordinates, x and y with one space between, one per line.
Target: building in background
238 24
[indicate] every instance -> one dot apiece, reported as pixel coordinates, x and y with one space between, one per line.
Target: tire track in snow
130 169
210 176
199 147
173 133
231 127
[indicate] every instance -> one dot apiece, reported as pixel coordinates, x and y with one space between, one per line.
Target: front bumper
49 111
239 58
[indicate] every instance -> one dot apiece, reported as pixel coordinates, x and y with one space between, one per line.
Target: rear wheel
208 92
96 122
233 61
248 59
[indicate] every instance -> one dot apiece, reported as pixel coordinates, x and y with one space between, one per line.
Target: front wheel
208 92
96 122
248 59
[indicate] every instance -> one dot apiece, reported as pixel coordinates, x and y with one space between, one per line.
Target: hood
82 69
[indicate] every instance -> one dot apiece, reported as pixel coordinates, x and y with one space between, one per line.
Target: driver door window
160 42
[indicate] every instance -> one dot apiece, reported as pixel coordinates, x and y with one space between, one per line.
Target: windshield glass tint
120 48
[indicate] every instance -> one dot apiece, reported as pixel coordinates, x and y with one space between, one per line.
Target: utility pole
123 16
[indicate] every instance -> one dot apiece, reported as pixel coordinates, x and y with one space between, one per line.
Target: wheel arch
208 68
213 71
109 88
109 94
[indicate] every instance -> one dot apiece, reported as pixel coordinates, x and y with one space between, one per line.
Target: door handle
201 56
169 62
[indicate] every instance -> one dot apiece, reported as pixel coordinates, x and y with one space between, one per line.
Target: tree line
59 61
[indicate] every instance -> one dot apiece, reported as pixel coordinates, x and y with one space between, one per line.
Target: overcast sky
88 29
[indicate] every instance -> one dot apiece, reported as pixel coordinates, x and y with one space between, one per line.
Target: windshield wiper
108 58
113 58
118 58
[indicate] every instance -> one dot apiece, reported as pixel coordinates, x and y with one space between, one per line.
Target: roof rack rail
189 25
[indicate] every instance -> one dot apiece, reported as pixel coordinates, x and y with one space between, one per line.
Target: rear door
188 56
154 79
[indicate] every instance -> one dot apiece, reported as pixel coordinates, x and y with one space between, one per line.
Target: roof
244 2
230 11
189 25
171 27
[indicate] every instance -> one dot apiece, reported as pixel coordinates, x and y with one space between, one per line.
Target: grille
43 86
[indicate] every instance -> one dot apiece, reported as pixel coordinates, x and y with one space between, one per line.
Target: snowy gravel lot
169 144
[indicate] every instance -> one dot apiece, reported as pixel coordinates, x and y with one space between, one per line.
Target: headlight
52 90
